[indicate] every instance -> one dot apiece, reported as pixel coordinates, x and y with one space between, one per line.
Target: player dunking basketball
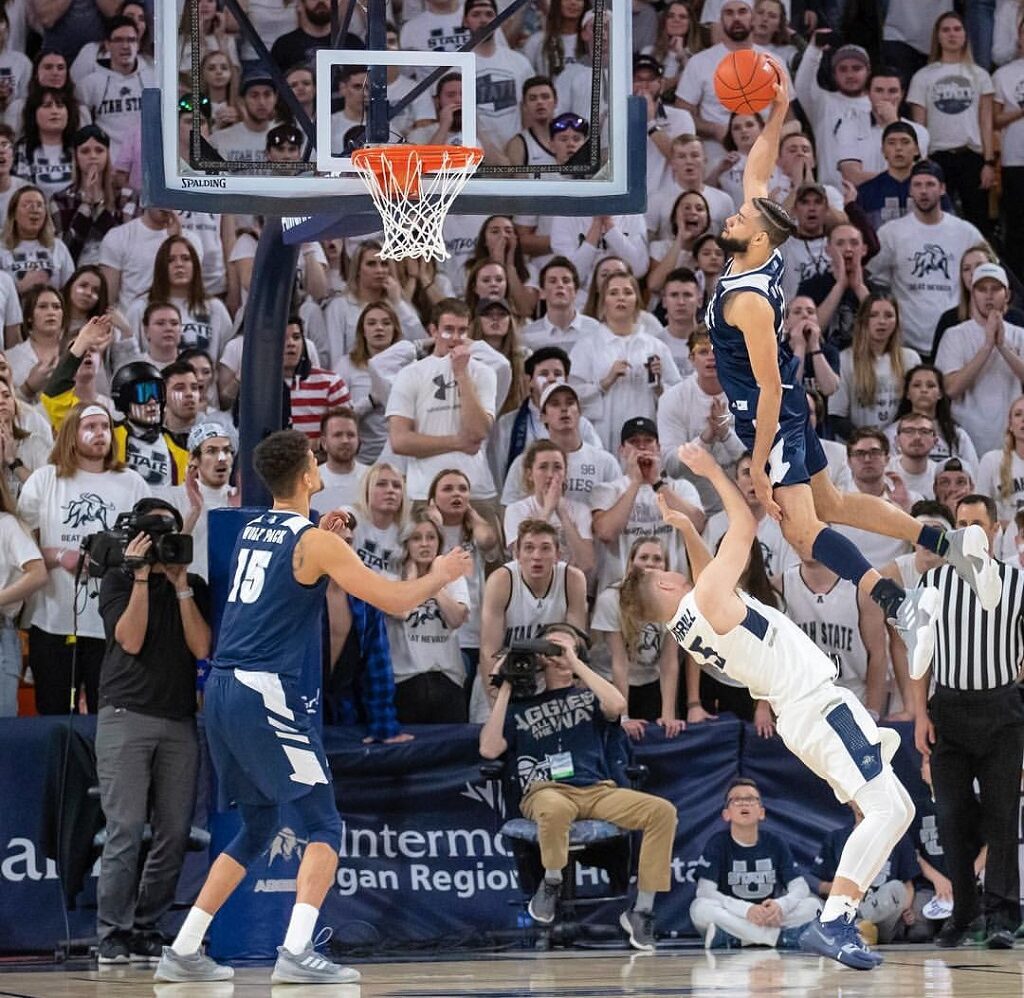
758 373
824 726
265 749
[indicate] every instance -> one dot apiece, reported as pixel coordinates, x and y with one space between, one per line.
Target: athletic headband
94 410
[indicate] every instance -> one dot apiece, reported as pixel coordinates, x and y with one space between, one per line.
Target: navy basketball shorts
263 743
796 454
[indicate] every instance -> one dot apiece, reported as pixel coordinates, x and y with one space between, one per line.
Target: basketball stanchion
413 187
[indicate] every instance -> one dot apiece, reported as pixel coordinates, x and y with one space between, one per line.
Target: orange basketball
745 82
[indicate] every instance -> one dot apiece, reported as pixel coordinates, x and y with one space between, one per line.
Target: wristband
694 703
813 353
140 582
184 594
988 162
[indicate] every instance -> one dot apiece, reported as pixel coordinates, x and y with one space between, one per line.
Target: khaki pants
554 806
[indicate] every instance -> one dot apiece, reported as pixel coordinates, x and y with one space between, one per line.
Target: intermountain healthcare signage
421 860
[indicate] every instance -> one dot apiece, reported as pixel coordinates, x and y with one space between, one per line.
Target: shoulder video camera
105 550
522 659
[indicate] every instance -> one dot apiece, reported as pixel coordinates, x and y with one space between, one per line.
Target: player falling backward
265 748
758 373
824 726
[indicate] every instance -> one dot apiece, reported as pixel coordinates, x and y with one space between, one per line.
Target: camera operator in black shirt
155 620
556 740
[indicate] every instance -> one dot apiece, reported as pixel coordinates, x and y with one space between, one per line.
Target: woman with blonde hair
544 468
622 369
645 664
220 81
960 127
377 328
369 278
871 369
1001 472
426 659
31 253
381 511
495 324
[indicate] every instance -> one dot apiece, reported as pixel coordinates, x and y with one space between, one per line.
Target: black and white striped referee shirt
975 650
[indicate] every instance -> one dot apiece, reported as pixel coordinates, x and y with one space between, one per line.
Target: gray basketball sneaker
309 967
194 967
915 620
968 554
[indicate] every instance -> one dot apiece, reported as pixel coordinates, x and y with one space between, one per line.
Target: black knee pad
260 823
320 815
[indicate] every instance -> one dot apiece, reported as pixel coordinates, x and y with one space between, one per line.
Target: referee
973 729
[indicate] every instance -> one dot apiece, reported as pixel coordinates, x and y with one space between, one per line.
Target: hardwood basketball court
908 971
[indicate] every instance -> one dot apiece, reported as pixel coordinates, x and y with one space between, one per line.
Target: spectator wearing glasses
868 452
924 392
114 94
915 438
31 253
88 209
284 144
750 891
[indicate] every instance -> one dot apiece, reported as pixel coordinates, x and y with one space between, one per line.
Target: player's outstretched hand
673 517
454 565
698 459
780 101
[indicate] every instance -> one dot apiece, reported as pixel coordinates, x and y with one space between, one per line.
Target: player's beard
731 246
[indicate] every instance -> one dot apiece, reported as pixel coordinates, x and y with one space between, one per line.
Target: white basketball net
413 223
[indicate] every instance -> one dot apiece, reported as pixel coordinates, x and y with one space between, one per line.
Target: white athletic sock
300 928
553 876
644 901
190 936
838 906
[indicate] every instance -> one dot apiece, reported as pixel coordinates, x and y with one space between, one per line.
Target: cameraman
154 616
556 740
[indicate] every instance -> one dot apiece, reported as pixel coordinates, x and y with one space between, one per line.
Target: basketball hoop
413 187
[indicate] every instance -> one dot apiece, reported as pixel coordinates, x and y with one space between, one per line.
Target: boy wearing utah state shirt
750 891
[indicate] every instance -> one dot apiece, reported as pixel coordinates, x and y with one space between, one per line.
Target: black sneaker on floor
542 904
111 950
950 936
998 936
146 948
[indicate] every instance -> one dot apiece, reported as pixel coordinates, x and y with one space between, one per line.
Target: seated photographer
155 616
556 743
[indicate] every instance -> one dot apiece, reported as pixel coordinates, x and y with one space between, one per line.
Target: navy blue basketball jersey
732 360
268 614
750 873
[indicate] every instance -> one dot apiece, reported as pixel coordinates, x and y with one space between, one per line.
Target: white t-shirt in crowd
643 666
923 484
877 548
10 303
131 248
115 102
627 238
209 328
1008 87
661 201
65 511
828 111
421 641
632 394
205 225
340 489
543 333
804 259
213 498
427 393
530 509
912 23
988 482
499 87
240 143
17 549
982 409
921 263
644 521
950 93
862 141
31 254
888 390
586 467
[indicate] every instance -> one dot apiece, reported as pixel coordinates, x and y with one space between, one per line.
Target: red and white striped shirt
313 396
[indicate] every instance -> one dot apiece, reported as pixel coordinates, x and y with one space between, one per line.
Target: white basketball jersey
526 614
767 653
832 621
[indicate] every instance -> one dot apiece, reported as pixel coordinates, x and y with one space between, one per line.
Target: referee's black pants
979 735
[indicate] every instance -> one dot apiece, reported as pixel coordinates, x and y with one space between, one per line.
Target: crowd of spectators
526 398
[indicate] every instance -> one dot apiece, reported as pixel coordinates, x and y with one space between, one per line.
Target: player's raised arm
320 553
696 550
723 573
765 151
753 316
